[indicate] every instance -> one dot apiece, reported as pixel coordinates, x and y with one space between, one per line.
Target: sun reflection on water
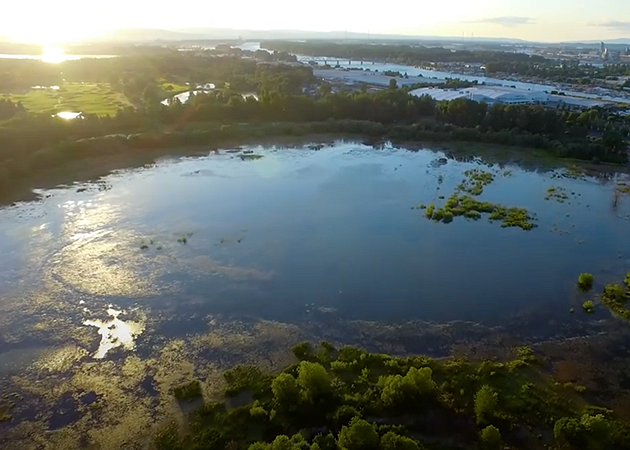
115 333
53 54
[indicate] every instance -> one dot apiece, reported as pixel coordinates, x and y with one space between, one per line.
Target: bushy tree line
405 54
567 72
349 399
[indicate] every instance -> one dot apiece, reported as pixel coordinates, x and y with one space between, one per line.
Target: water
300 229
185 96
114 292
44 56
68 115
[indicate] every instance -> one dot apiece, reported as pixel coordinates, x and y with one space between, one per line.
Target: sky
48 22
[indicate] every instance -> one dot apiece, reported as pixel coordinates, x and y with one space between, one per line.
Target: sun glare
53 54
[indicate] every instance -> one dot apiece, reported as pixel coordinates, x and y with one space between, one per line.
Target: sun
53 54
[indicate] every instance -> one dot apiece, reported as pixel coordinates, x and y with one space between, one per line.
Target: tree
490 438
393 84
359 435
486 401
392 441
417 383
286 391
314 380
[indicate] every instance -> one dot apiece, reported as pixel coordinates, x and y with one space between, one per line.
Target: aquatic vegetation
471 208
440 179
467 206
4 412
557 193
574 172
585 282
182 239
340 392
475 181
587 306
512 217
188 391
615 297
421 206
144 247
250 157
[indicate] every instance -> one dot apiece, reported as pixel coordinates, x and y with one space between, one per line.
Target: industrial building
488 94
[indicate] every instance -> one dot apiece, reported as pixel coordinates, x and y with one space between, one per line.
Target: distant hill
140 35
618 41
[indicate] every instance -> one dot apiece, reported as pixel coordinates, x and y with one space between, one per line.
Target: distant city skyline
534 20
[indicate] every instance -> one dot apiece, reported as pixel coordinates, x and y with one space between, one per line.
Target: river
607 95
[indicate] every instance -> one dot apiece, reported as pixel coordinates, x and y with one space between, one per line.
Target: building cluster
509 96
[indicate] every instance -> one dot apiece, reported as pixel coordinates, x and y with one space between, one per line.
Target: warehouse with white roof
488 94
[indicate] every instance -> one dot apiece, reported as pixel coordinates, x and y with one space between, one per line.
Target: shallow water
301 229
114 292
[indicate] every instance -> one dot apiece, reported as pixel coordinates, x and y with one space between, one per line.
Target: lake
231 257
332 228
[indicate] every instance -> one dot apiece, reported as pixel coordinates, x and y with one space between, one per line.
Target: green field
173 88
88 98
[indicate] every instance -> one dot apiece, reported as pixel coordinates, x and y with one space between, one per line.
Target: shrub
393 441
397 390
587 306
585 282
486 402
344 415
286 391
303 351
189 391
490 438
313 379
359 435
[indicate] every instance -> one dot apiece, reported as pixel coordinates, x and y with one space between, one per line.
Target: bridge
334 61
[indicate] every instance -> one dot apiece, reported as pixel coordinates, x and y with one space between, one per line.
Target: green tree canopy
359 435
393 441
286 391
490 438
313 379
486 402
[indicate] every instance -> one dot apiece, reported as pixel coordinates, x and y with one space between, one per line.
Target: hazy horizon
536 20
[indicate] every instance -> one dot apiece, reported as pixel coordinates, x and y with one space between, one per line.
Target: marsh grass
88 98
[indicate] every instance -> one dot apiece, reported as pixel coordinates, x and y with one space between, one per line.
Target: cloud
613 25
508 21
